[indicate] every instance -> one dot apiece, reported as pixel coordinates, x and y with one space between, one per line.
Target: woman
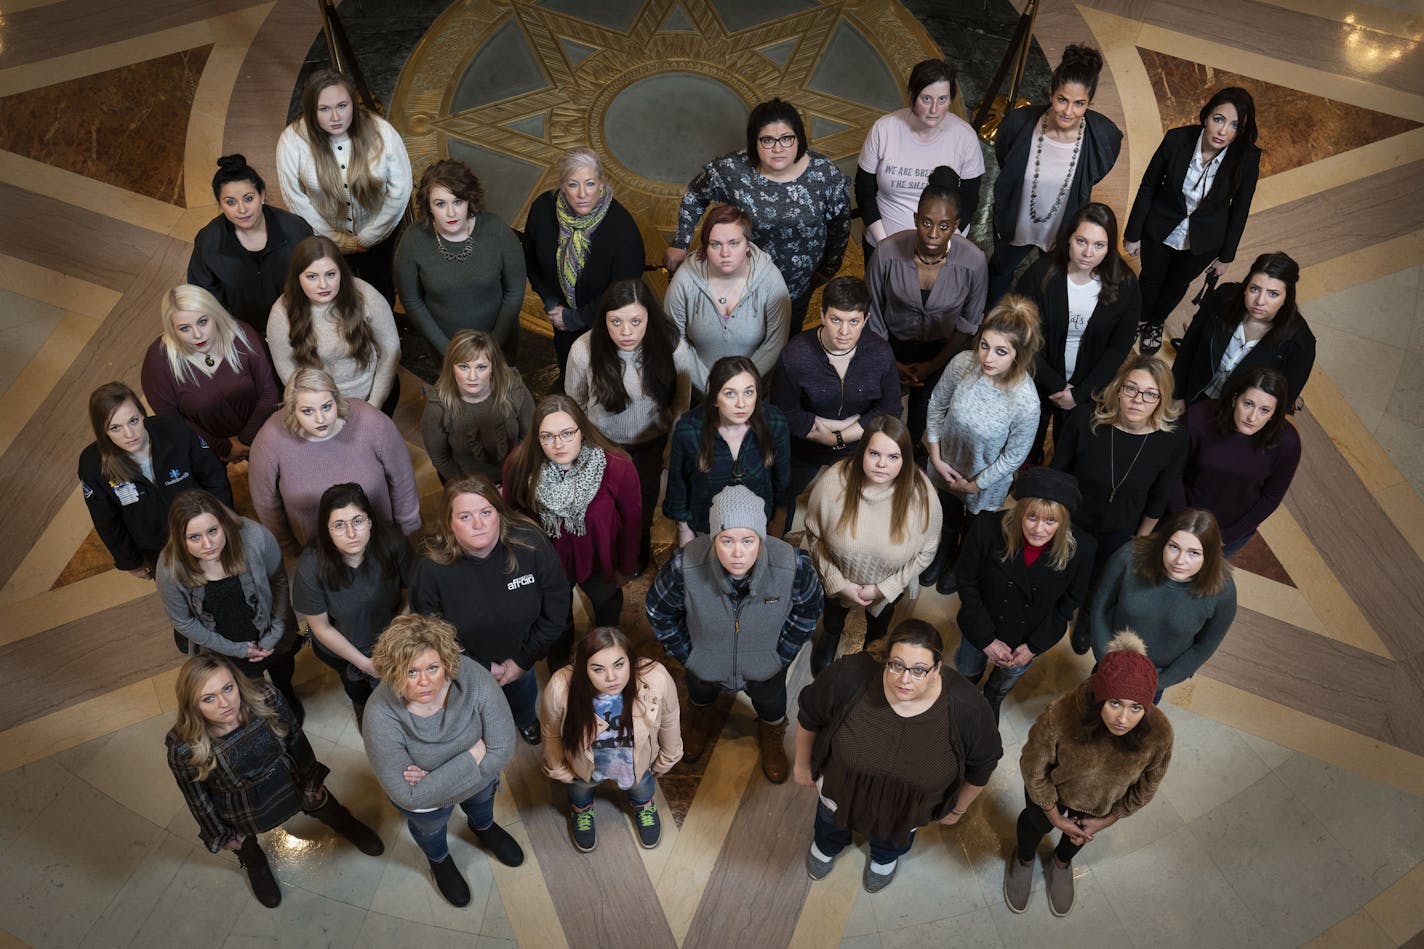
438 734
211 371
493 574
244 766
1021 576
1192 205
584 492
1050 157
1244 326
733 438
348 586
1175 588
477 411
980 426
927 289
461 267
1127 453
730 300
241 256
318 437
889 176
577 240
870 737
224 588
872 524
632 377
1088 302
610 716
132 471
797 198
1241 456
329 319
1095 755
346 171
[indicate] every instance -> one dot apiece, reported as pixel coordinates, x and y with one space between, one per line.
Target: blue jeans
969 661
831 840
523 697
429 827
581 792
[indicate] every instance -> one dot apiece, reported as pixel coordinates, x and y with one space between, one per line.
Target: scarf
564 496
575 238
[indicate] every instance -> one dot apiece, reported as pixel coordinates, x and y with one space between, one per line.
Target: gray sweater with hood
756 328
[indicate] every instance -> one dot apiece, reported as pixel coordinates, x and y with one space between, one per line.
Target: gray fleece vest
734 641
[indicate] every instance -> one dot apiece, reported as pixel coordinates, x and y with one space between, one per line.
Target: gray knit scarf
564 496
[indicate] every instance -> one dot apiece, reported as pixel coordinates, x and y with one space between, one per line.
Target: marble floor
1293 813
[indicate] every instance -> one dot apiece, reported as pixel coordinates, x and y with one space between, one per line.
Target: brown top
887 774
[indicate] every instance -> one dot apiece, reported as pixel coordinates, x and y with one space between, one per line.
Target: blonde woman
347 173
477 411
211 371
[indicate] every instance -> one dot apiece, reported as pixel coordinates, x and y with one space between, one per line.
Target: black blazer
1107 338
1208 336
615 253
1218 220
1102 140
1014 603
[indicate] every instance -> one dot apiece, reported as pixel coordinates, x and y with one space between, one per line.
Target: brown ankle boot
697 732
772 741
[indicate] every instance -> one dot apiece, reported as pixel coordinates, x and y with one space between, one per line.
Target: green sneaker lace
647 814
583 820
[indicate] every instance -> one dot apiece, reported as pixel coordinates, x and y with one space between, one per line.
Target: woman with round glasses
871 738
1127 453
584 492
798 200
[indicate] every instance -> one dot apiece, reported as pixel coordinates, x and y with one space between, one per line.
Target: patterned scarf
575 237
564 496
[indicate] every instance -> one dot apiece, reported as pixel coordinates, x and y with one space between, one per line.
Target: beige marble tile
406 889
48 557
25 326
1383 310
215 882
1399 910
1363 371
969 929
380 931
1356 931
26 617
124 770
125 915
76 724
1403 441
57 69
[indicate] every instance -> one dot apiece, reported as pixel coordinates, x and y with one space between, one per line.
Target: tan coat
657 738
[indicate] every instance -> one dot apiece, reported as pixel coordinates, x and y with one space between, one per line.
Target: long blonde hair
1060 549
365 188
192 299
465 346
192 728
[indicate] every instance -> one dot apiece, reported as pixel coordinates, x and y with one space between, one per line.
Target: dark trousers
1166 275
563 342
918 397
1034 823
1003 265
953 527
1047 412
833 620
768 696
799 306
354 683
376 265
606 599
803 472
831 840
647 460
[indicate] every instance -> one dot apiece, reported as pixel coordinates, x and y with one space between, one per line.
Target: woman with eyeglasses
734 437
348 585
799 202
890 743
584 492
1127 453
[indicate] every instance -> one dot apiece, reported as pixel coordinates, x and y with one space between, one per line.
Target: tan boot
772 741
697 731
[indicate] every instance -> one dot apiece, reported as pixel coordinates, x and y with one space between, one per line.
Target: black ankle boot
450 882
259 873
332 814
931 574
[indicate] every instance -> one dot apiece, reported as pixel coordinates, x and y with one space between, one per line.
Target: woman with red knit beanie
1095 756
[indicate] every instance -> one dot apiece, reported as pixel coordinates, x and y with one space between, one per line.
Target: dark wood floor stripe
78 25
112 252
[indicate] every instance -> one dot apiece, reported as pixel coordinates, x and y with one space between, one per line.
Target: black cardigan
1014 603
246 283
1102 140
1107 338
1219 219
825 703
615 253
1292 354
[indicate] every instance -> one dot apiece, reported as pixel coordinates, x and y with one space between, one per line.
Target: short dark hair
235 168
1269 381
927 72
846 293
776 110
1080 64
911 632
454 176
942 185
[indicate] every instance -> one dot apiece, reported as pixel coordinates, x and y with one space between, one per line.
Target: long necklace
1067 178
463 255
1112 462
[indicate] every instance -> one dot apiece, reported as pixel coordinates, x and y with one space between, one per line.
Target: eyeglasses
1150 396
773 141
898 668
564 437
355 526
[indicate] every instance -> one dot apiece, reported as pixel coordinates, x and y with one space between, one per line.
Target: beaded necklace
1067 178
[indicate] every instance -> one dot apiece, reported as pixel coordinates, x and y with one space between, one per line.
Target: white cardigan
296 170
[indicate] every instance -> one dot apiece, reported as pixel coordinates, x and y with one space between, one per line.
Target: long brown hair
187 572
1201 524
1113 271
718 376
114 463
365 188
654 358
348 307
580 726
909 484
440 544
526 462
1060 549
466 346
192 728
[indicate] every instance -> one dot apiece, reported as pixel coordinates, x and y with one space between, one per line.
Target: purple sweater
1232 476
806 385
287 474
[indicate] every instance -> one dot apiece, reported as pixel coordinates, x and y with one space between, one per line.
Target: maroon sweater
612 526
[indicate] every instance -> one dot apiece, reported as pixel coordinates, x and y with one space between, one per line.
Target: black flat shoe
501 846
530 733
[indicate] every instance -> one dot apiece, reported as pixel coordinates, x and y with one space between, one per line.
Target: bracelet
840 442
957 813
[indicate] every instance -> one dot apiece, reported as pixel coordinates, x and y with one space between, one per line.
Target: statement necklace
1067 178
1112 462
931 262
463 255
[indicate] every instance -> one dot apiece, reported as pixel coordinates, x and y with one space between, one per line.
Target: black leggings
1034 823
1167 274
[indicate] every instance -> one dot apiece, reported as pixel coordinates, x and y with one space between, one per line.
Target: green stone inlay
576 52
507 180
779 53
852 69
504 67
677 20
530 125
745 14
615 14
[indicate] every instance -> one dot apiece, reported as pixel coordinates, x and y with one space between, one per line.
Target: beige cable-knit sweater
869 556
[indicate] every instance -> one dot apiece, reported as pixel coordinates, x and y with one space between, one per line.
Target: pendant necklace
1112 462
